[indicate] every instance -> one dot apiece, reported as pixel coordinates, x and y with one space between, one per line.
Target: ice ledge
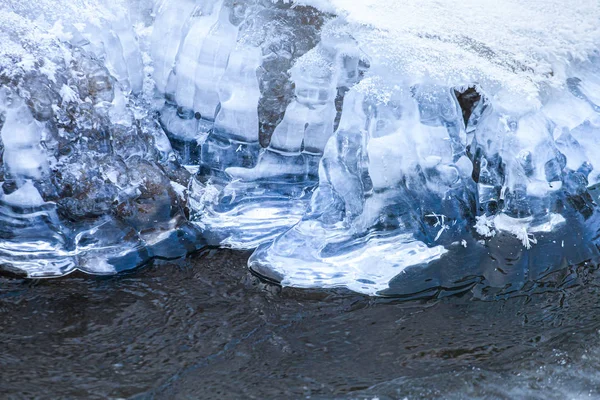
514 50
366 266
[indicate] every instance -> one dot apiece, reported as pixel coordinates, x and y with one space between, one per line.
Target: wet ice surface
334 137
137 130
205 328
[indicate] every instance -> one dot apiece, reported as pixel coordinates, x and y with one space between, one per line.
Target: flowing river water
206 328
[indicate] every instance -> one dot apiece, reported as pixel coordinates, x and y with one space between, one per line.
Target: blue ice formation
386 147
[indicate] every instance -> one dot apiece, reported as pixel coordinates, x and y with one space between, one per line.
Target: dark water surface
205 328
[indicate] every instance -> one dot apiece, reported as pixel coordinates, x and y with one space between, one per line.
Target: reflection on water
205 328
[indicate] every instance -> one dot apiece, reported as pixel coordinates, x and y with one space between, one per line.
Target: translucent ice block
251 194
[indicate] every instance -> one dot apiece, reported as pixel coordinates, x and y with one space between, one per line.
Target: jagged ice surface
389 147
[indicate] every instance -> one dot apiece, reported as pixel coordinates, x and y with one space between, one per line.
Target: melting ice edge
348 149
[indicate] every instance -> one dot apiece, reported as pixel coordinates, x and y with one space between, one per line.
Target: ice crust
85 173
513 49
374 145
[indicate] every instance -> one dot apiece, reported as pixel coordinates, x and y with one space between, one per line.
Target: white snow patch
485 226
512 49
68 95
521 228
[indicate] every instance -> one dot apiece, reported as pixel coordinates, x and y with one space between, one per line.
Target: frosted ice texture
405 184
252 183
388 147
247 194
86 183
